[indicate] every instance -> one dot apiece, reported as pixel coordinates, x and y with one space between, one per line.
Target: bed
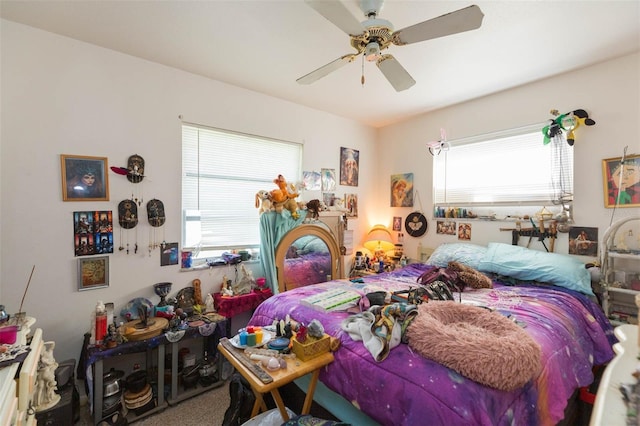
409 389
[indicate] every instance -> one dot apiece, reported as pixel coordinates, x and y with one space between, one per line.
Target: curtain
274 226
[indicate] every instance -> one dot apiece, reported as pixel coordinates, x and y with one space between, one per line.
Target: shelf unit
155 349
620 270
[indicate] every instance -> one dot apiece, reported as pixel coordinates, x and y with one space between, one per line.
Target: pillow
533 265
465 253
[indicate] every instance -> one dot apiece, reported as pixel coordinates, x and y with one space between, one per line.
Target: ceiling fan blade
459 21
395 73
324 70
338 15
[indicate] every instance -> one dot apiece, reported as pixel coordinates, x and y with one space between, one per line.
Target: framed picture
351 204
84 178
328 179
93 272
445 227
402 190
621 181
349 164
583 241
397 223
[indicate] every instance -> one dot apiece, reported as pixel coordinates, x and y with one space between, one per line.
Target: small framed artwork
93 272
402 190
464 231
351 204
397 223
169 254
621 181
311 181
446 227
328 179
583 241
349 164
328 198
84 178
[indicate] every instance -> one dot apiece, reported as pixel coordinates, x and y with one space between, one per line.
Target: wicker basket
311 348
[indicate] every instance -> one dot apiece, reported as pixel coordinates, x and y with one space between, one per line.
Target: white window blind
507 168
221 173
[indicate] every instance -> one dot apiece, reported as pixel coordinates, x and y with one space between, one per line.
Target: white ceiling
265 45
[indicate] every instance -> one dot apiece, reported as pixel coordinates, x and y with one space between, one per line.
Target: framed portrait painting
349 165
93 272
84 178
621 181
402 190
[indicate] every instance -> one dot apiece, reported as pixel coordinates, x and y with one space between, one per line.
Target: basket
311 347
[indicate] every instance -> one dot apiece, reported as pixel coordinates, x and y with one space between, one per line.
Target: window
508 168
221 173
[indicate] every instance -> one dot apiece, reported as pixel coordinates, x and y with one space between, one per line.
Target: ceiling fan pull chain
362 78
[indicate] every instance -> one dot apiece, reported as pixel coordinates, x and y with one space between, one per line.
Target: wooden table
295 369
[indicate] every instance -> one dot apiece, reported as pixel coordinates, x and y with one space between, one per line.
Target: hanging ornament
128 219
156 217
135 169
416 222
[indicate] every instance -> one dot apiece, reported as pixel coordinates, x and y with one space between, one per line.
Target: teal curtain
274 226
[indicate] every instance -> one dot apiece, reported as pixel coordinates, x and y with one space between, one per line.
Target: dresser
18 380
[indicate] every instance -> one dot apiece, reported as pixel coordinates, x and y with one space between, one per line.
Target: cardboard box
311 348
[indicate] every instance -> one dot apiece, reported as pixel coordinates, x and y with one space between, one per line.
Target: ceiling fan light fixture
372 51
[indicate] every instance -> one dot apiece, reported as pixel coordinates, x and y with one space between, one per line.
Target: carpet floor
208 408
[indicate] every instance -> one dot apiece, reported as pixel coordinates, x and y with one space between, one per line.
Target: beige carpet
205 409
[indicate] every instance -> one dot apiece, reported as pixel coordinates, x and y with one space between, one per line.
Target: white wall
609 92
61 96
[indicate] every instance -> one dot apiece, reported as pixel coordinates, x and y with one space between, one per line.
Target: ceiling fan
374 35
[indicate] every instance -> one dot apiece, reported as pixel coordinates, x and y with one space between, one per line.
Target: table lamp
379 241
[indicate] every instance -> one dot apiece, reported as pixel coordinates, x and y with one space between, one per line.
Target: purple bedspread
408 389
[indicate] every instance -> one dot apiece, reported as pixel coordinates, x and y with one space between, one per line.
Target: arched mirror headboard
308 254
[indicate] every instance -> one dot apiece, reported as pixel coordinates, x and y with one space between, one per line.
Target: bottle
101 322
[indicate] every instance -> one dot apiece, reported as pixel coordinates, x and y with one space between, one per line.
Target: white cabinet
620 269
17 381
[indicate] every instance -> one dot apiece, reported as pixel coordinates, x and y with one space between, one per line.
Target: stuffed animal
283 199
470 276
313 209
263 201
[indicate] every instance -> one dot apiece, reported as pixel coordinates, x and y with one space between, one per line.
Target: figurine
208 302
45 395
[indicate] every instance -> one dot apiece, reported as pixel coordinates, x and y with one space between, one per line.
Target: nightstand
278 378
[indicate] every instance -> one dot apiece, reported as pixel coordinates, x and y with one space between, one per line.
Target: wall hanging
156 217
93 272
349 165
402 190
621 178
416 222
84 178
128 219
93 232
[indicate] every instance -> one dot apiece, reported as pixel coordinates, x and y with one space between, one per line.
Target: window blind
221 173
507 168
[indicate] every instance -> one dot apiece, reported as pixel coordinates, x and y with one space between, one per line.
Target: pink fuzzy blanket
479 344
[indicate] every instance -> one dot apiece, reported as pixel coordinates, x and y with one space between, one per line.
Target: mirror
308 254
